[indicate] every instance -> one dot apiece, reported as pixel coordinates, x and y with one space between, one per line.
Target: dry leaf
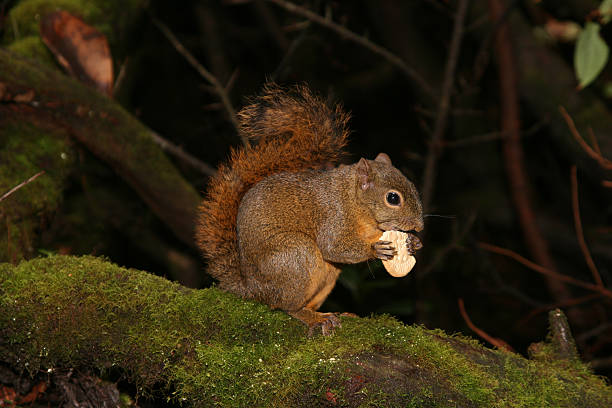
81 49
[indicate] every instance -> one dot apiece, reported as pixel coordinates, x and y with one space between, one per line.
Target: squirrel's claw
384 250
413 243
328 323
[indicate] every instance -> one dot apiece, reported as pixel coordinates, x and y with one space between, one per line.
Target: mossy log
209 348
53 102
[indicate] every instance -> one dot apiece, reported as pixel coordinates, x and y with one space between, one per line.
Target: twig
488 137
454 112
441 8
603 162
502 286
453 244
218 87
232 80
410 72
594 332
23 183
289 53
565 303
183 155
271 25
435 148
481 61
579 231
476 139
594 141
544 271
120 77
477 23
499 343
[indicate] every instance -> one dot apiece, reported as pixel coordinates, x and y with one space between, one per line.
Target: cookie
403 262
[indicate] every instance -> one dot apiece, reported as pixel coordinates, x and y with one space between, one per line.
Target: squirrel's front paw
384 250
413 243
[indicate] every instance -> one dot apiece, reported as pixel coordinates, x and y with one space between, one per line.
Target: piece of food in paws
403 262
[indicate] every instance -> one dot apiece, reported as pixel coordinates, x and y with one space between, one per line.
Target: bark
209 348
51 101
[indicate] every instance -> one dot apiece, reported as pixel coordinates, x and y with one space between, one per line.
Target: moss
24 151
26 14
33 48
213 349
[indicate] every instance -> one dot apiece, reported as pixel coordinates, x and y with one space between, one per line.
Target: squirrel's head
392 199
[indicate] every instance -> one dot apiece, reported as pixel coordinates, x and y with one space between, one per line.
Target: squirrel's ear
364 177
383 158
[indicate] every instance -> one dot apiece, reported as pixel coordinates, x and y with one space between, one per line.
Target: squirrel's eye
393 198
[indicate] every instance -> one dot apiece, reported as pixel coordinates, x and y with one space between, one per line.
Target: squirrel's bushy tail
291 130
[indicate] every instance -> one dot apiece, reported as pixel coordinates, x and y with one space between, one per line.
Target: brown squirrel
278 218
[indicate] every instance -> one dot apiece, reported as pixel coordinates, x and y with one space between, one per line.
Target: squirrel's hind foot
317 322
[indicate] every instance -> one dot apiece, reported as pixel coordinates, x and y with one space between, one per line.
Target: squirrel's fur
290 131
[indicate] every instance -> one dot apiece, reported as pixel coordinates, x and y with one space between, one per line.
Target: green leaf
605 10
591 54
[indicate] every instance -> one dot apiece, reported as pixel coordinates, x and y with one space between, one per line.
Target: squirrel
278 218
